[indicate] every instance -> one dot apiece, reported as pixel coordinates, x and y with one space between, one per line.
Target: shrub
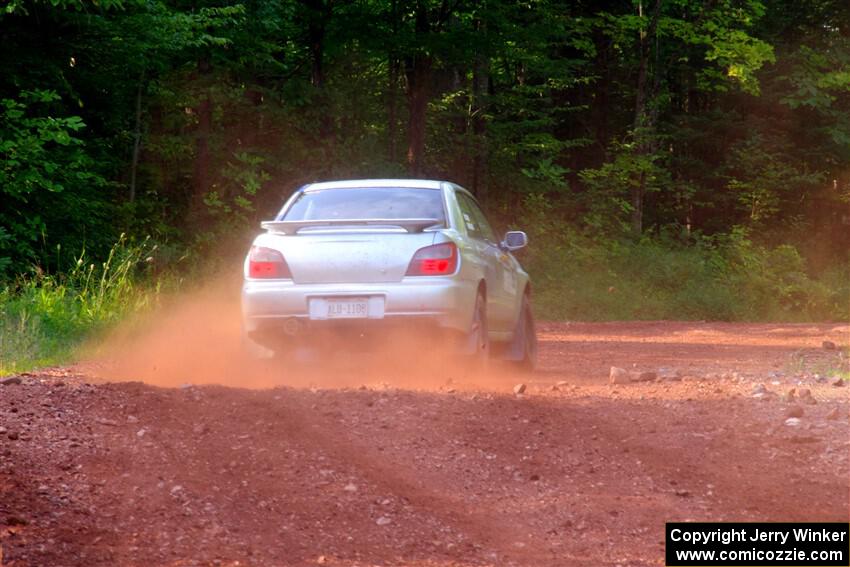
577 276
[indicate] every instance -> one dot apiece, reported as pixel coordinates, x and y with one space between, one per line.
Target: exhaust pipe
292 326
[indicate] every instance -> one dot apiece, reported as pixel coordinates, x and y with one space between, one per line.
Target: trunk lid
361 255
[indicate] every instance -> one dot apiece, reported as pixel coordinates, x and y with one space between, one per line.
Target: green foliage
820 83
609 186
21 6
39 152
762 177
231 205
46 176
715 39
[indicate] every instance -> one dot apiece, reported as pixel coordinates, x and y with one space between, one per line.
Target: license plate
347 308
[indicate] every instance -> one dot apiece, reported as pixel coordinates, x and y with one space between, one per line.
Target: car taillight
436 260
267 263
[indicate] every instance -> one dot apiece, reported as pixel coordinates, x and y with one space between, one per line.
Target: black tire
479 339
525 338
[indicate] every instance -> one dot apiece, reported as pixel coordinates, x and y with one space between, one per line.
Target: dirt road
575 471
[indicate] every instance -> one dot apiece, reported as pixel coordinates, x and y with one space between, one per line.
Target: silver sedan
366 254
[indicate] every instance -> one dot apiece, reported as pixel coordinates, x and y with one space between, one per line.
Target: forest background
670 159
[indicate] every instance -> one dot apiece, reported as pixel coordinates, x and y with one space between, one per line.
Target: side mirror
514 240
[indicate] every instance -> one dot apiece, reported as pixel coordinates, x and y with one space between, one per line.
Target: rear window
367 203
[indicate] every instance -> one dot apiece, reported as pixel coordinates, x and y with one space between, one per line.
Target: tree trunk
644 121
393 67
418 68
319 12
318 15
480 83
637 193
418 81
137 139
392 109
201 173
601 102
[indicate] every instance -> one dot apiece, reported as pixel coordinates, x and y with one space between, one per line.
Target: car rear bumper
445 303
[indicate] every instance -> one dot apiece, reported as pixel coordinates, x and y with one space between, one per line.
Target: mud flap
516 348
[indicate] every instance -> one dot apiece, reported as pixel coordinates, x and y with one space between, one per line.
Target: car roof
357 183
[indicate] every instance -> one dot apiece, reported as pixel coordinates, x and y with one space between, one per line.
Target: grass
45 317
729 279
826 363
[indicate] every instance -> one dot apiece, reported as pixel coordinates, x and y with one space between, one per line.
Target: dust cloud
195 338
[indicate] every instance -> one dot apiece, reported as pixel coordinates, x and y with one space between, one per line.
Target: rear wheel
479 339
525 338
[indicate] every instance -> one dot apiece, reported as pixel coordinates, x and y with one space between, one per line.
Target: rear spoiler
292 227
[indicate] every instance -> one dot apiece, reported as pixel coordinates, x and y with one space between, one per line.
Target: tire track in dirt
422 489
292 423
